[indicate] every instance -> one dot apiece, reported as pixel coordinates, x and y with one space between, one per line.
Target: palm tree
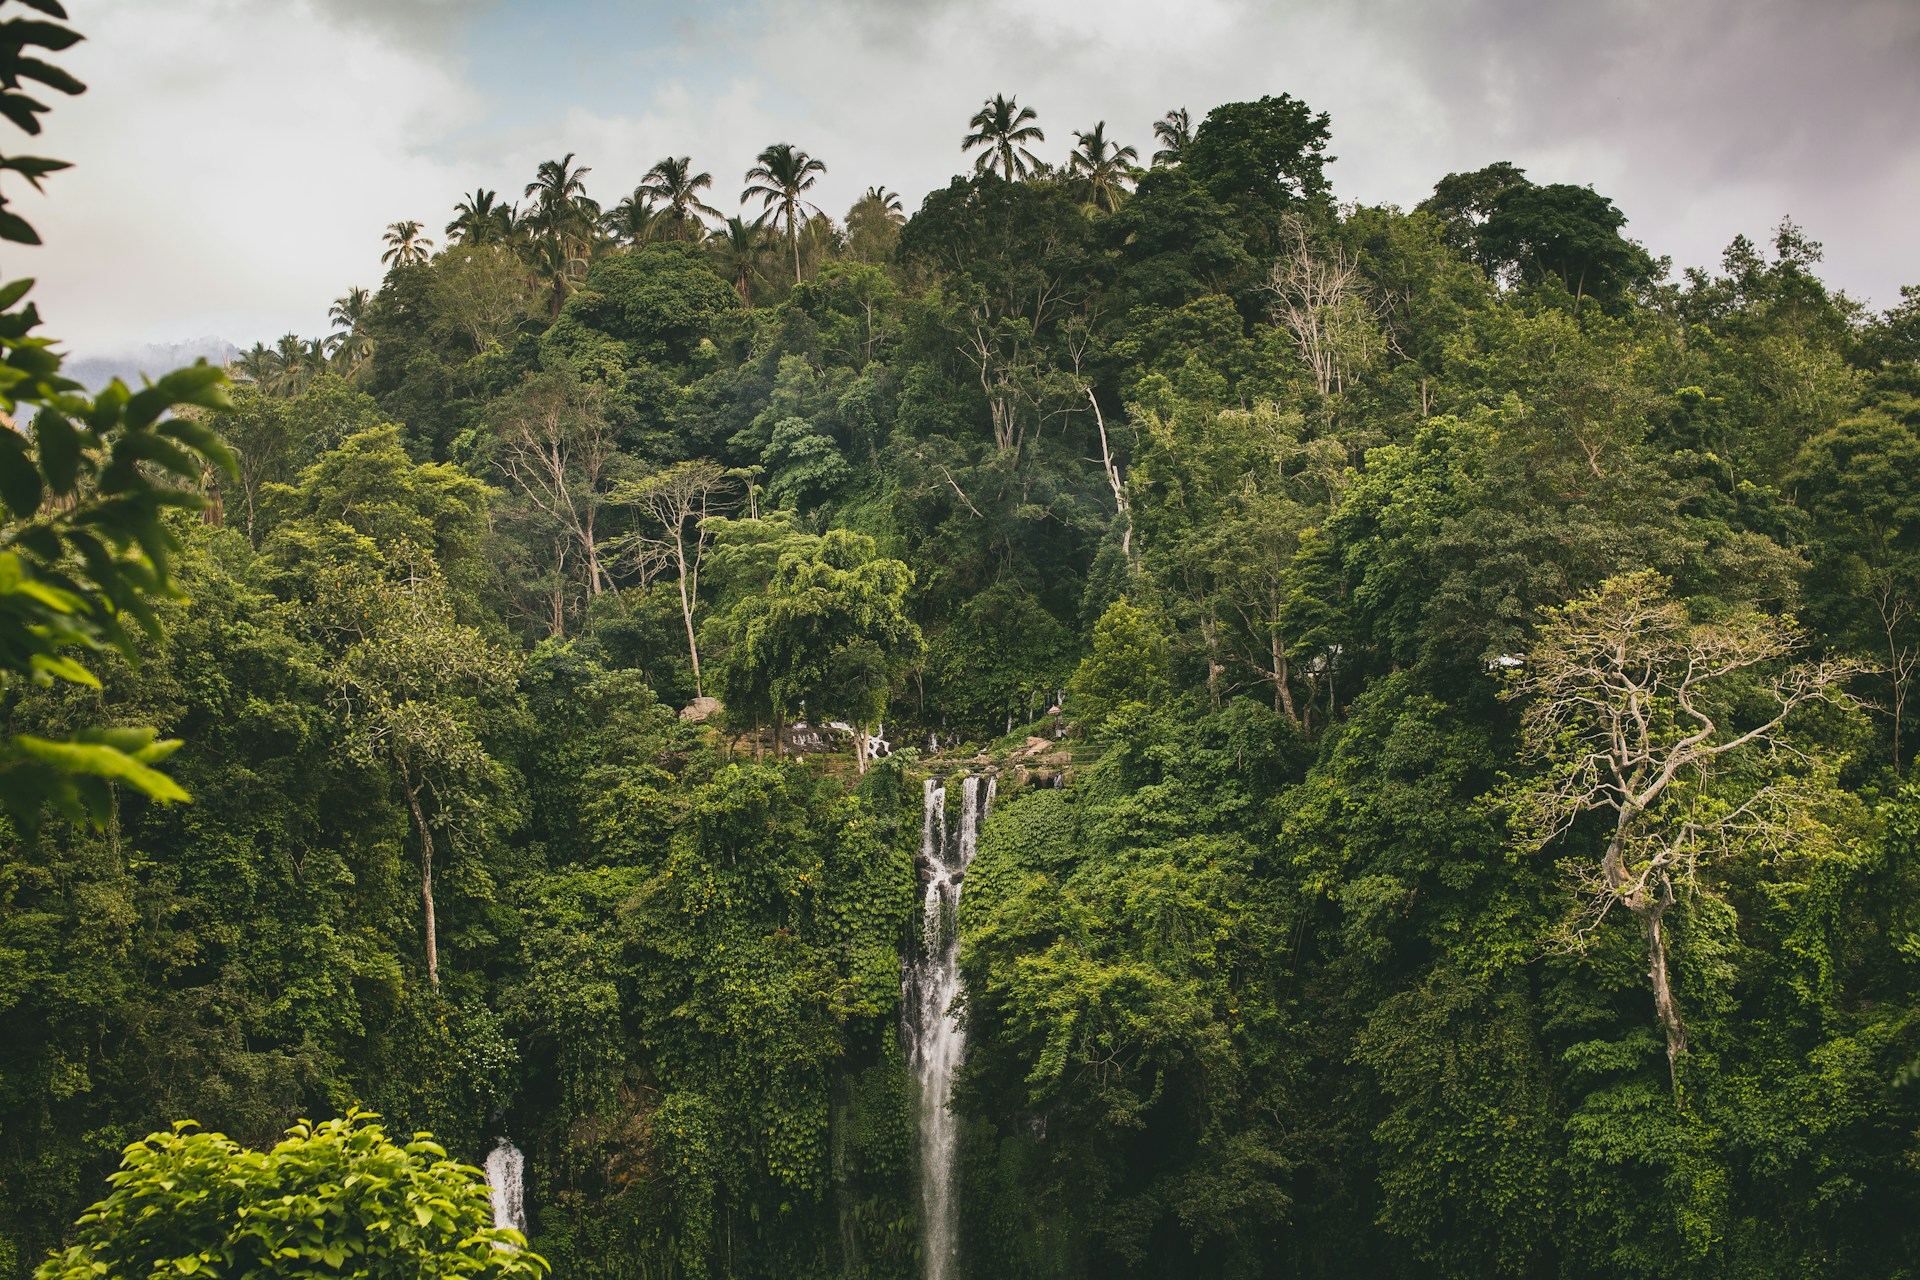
406 246
634 220
352 345
288 370
888 203
783 175
1175 131
561 207
256 365
1102 165
873 225
738 248
562 264
481 219
1001 126
677 187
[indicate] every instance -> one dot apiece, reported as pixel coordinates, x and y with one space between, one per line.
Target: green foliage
87 545
1262 158
1127 672
1269 983
830 634
332 1198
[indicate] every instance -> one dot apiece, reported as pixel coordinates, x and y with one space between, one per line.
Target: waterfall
935 1039
505 1167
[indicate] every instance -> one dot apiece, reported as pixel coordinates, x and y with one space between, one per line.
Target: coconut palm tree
481 219
406 245
784 173
873 225
256 364
290 370
1175 131
561 211
738 249
634 220
351 344
1101 165
561 264
1002 126
677 187
887 203
559 194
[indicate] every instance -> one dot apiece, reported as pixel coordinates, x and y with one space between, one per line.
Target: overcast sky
238 159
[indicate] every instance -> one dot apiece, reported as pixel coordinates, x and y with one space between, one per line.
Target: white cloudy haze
238 159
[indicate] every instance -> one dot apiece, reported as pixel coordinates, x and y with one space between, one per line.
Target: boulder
700 709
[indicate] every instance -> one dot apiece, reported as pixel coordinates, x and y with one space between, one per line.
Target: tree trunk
1652 911
1282 692
1664 1007
1121 510
426 884
779 734
686 616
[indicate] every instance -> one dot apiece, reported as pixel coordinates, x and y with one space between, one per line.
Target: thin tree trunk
426 884
1120 507
1282 693
1664 1007
686 616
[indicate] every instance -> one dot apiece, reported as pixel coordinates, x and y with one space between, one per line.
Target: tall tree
350 345
412 685
738 249
677 504
481 218
1101 164
1636 712
407 244
1003 128
782 175
831 633
557 448
561 206
873 225
1562 232
1173 131
1464 201
677 187
635 219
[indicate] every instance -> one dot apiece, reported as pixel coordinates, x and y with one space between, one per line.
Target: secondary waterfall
935 1039
506 1168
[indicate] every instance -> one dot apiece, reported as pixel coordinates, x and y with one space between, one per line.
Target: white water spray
935 1038
506 1168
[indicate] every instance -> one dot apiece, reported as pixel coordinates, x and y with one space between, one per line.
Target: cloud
239 160
235 166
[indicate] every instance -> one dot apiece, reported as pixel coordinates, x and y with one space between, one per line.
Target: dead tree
677 502
1320 299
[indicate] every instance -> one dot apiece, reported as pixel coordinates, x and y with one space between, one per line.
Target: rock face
700 709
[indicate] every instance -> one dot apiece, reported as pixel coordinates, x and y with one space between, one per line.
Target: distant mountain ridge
153 359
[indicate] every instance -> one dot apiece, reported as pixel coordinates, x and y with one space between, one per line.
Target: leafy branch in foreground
337 1198
86 491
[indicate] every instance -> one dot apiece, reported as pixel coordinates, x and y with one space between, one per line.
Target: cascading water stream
506 1170
935 1038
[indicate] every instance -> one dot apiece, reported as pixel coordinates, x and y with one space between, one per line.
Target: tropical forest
1131 717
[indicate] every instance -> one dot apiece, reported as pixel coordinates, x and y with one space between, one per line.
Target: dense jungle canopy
1477 662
